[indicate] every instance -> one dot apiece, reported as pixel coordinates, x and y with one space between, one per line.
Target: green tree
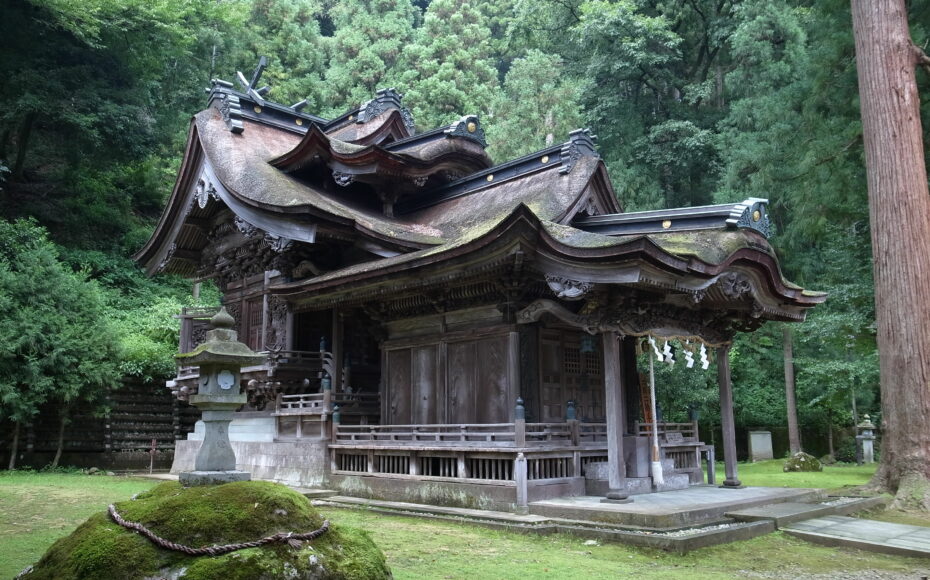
448 69
288 32
48 351
366 47
536 107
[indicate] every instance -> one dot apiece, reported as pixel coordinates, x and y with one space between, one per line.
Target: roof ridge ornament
751 214
248 86
581 142
384 99
468 127
231 111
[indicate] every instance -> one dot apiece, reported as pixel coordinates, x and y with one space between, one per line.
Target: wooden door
569 374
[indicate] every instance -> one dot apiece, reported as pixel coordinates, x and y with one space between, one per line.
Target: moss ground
32 503
205 516
419 549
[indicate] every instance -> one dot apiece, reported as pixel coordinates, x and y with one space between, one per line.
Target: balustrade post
462 466
519 424
327 384
278 401
520 479
571 418
337 417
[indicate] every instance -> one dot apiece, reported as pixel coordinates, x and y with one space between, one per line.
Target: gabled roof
296 181
427 204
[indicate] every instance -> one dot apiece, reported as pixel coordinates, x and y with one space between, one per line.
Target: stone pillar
616 416
726 417
520 479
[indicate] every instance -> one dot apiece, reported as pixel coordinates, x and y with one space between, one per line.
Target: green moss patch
208 515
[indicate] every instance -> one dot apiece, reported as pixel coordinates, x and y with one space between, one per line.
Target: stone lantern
218 396
865 440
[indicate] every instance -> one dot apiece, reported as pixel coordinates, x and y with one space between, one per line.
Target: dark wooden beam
727 424
616 411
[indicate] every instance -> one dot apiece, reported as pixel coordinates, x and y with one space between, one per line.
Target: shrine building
443 329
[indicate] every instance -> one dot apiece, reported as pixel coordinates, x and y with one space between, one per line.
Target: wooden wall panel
425 390
398 387
461 381
494 402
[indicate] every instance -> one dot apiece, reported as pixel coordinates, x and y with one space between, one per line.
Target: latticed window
254 320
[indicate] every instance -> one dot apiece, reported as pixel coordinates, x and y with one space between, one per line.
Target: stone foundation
298 463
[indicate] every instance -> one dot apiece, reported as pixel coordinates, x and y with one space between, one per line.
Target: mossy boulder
212 515
801 461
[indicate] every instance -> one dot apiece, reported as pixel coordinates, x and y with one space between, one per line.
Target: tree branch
920 57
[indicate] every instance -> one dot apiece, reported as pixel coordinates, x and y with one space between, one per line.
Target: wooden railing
320 403
516 434
687 431
525 470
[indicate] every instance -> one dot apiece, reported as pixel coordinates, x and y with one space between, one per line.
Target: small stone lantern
218 396
865 439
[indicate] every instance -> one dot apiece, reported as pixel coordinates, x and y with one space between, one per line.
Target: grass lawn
835 478
37 508
419 549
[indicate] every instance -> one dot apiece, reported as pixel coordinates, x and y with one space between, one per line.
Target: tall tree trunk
14 448
899 211
794 435
830 450
61 437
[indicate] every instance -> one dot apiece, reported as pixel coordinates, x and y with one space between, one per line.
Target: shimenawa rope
294 540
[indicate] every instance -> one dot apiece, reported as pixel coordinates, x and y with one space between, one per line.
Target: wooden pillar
336 350
726 417
616 417
266 312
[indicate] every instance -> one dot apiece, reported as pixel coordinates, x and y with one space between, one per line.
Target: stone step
884 537
673 481
314 493
782 514
426 510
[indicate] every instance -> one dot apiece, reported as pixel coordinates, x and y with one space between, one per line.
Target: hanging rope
294 540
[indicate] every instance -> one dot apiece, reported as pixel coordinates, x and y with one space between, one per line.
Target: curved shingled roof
301 178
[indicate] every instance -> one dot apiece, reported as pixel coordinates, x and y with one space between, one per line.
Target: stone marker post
218 396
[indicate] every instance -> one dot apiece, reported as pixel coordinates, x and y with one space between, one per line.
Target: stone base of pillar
732 484
195 478
617 497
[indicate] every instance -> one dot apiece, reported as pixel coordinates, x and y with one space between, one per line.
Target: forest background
695 102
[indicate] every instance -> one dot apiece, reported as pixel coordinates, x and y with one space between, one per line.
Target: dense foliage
695 102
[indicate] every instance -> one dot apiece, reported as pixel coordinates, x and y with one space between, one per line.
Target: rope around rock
294 540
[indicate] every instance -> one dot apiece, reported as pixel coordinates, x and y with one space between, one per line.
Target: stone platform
698 505
898 539
786 513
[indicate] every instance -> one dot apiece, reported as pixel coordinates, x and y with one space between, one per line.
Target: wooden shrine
438 327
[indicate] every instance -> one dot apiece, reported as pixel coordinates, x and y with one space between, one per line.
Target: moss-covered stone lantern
218 396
